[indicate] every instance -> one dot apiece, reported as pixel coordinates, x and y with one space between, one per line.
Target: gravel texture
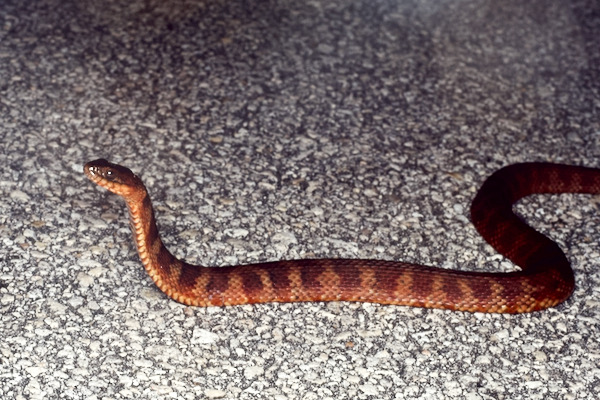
286 129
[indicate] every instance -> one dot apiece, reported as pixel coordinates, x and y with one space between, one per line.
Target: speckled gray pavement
287 129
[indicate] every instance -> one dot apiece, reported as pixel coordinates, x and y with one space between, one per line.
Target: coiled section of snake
545 279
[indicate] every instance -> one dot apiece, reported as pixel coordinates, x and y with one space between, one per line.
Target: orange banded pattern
545 279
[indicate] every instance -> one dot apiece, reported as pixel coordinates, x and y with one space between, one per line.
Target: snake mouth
90 171
93 170
92 174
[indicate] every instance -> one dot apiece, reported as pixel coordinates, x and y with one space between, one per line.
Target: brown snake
545 279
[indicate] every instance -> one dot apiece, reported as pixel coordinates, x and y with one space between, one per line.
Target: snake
544 278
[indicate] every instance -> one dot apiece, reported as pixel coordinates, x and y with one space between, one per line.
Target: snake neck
156 258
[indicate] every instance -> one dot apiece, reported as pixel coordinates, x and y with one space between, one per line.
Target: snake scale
545 278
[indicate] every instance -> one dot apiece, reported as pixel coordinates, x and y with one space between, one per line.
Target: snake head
115 178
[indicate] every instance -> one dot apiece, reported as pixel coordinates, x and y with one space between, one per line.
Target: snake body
545 279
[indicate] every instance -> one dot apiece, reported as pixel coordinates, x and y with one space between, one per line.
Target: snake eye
110 174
